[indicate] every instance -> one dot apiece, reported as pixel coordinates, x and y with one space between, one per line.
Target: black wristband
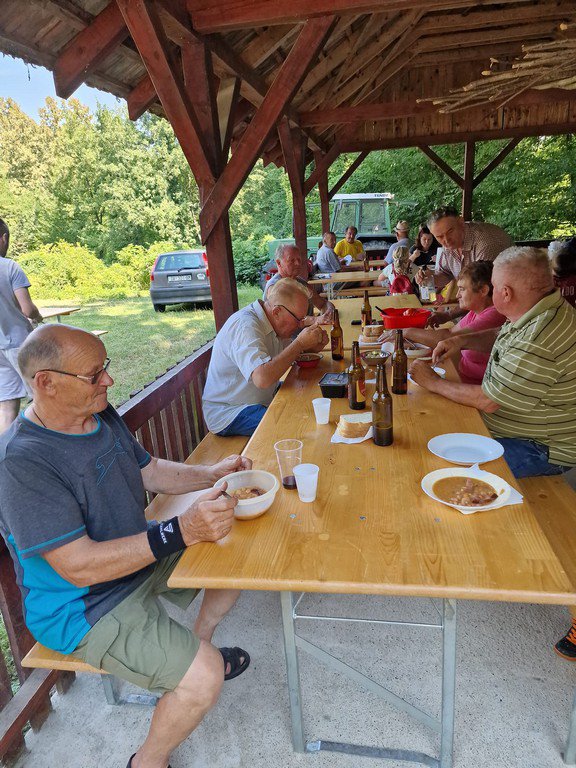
165 538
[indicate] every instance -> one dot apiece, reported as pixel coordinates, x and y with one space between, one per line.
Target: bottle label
361 391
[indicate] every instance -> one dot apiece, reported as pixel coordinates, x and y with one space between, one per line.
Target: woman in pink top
475 295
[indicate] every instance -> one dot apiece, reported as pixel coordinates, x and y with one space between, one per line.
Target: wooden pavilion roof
389 73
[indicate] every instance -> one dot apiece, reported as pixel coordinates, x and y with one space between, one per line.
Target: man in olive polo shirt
528 394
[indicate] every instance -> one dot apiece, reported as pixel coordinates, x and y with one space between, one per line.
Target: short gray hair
39 352
286 289
531 264
282 248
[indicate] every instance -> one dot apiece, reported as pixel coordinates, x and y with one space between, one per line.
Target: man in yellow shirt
350 246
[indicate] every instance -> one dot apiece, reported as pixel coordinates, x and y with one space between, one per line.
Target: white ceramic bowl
247 509
420 350
500 486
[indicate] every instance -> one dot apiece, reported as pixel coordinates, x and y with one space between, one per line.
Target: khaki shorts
137 641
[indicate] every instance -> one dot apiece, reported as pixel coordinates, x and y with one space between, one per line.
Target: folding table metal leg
111 687
448 682
570 751
292 671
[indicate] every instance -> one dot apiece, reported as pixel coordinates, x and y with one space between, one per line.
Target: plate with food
465 448
255 490
468 490
374 356
308 360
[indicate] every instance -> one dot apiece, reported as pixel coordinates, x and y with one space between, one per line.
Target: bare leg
215 605
179 712
8 412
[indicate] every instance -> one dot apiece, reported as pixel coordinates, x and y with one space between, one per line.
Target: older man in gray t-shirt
16 311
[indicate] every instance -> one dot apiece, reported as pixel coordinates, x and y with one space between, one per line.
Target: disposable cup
321 407
288 453
306 481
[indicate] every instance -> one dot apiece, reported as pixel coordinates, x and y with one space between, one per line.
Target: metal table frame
444 726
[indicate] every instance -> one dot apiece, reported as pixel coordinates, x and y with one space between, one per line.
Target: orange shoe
567 646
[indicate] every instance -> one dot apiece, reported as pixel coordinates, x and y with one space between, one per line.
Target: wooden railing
166 417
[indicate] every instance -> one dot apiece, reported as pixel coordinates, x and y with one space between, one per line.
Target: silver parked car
178 277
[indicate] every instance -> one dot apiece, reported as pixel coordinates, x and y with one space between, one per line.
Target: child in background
563 263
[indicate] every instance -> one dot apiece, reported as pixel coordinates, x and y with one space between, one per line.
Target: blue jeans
246 421
527 458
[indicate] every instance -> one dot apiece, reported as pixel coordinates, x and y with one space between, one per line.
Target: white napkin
336 438
514 498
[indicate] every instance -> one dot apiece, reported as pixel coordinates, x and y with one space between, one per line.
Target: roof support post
468 186
293 149
202 87
323 190
292 73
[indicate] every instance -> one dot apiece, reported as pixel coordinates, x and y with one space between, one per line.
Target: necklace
38 417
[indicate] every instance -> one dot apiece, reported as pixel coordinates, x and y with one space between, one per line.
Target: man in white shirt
251 352
16 311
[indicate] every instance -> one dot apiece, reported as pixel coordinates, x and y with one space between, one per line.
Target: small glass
289 454
321 407
306 481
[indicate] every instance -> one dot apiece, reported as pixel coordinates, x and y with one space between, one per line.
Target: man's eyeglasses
89 379
298 319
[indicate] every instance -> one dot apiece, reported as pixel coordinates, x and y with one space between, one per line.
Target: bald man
90 567
252 350
528 395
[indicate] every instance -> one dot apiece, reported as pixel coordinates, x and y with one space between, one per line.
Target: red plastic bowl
395 318
308 360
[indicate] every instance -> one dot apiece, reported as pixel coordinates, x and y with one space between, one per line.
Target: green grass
142 343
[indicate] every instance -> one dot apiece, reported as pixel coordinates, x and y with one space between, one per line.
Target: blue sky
29 86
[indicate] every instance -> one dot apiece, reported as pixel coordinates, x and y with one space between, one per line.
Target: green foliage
249 257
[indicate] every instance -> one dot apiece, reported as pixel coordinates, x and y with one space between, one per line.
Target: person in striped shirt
528 394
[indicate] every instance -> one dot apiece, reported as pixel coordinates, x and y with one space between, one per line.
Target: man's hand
234 463
327 316
312 339
387 336
210 518
438 318
447 347
423 374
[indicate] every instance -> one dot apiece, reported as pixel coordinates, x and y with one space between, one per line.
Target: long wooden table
57 312
351 309
372 531
344 277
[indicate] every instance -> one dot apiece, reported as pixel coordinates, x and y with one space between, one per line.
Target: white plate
500 486
465 448
442 373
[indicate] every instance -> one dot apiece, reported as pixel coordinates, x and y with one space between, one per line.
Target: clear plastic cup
321 407
288 453
306 481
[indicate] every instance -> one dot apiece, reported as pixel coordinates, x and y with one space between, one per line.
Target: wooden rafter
147 32
286 83
141 98
347 173
321 168
201 87
223 15
293 152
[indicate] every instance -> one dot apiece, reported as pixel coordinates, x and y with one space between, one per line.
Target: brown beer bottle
356 380
399 366
337 338
366 311
366 263
382 409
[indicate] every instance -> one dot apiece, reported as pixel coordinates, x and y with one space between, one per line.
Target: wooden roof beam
287 81
141 98
347 173
253 88
321 168
86 50
147 32
226 15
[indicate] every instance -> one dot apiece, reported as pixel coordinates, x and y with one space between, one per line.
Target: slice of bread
354 424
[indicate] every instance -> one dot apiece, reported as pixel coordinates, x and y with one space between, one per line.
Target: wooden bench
209 451
553 502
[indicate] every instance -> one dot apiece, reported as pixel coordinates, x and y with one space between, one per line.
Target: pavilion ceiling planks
378 53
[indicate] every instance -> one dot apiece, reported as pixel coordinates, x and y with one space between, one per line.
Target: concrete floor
512 703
